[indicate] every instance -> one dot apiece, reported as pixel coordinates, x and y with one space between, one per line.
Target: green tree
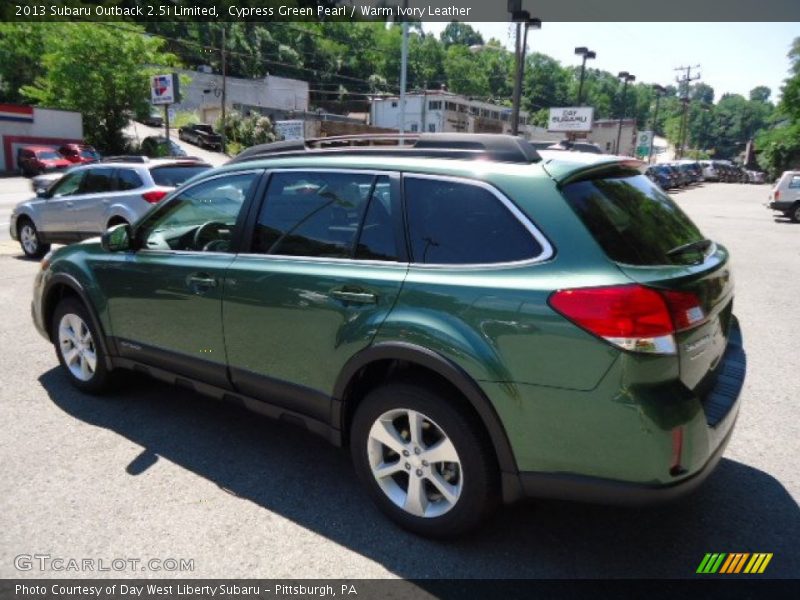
21 48
760 93
460 34
100 72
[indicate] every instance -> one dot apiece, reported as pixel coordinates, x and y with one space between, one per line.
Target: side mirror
117 238
41 192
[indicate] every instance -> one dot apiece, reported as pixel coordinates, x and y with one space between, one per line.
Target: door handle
201 282
355 296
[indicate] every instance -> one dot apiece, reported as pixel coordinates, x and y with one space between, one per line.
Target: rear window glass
173 176
49 155
633 221
459 223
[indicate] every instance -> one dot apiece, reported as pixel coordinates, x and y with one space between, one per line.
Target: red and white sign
16 113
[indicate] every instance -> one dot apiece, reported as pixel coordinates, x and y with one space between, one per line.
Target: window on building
414 128
432 127
450 106
495 115
394 104
435 105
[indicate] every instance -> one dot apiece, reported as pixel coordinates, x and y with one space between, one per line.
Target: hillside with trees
346 64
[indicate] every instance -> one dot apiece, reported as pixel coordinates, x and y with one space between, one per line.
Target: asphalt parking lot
159 472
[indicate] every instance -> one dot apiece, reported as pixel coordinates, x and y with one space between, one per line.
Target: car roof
557 164
39 148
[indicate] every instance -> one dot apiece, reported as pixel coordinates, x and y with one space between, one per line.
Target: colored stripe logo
16 112
734 563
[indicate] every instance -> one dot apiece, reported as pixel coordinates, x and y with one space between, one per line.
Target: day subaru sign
578 118
164 89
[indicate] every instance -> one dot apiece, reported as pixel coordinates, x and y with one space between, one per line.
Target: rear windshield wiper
698 245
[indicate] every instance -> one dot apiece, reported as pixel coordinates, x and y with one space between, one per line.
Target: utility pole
683 86
659 90
626 78
403 74
524 23
517 82
224 88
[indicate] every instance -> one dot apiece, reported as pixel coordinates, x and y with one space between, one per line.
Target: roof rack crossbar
497 147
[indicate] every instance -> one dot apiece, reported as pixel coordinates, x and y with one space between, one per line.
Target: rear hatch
655 244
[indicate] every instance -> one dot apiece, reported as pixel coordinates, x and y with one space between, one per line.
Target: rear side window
322 215
175 175
633 221
459 223
795 181
128 179
97 181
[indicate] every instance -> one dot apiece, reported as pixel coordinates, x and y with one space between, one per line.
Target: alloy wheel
77 347
27 236
415 463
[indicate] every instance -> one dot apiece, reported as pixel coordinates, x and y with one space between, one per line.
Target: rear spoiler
564 172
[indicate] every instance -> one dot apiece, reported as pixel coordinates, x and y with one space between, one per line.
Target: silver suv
90 198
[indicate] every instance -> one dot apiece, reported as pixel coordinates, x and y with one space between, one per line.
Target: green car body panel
567 401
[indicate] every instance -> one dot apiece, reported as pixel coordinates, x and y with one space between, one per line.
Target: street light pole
659 90
587 54
524 23
403 74
626 77
224 89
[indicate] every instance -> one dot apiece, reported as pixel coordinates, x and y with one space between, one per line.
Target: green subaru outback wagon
476 321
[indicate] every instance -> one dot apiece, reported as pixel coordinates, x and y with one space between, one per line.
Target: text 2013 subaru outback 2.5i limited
474 320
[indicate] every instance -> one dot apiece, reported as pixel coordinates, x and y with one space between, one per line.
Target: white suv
785 195
90 198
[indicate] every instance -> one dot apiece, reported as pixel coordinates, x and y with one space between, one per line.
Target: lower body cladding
625 442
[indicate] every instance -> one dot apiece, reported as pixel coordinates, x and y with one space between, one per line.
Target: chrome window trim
547 249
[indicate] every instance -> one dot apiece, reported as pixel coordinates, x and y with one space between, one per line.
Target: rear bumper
640 462
781 206
620 493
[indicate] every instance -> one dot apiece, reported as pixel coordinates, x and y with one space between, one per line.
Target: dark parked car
660 176
80 154
501 324
201 135
154 119
157 146
35 160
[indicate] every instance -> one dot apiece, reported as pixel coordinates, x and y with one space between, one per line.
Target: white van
785 196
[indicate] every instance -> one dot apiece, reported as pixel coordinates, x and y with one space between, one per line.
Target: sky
733 57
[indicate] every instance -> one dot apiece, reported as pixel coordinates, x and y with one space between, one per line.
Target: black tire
478 472
116 221
100 379
29 236
794 214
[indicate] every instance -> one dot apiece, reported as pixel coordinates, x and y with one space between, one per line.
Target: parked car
34 160
201 135
710 172
468 339
755 177
157 146
679 176
81 154
90 198
785 196
660 176
40 183
154 119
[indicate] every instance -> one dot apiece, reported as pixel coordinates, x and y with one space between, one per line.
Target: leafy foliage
98 71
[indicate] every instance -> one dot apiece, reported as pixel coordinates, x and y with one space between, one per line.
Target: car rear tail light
154 196
631 317
776 195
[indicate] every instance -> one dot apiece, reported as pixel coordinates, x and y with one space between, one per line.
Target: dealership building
22 125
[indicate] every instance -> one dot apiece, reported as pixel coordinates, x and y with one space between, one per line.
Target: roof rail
487 146
129 158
